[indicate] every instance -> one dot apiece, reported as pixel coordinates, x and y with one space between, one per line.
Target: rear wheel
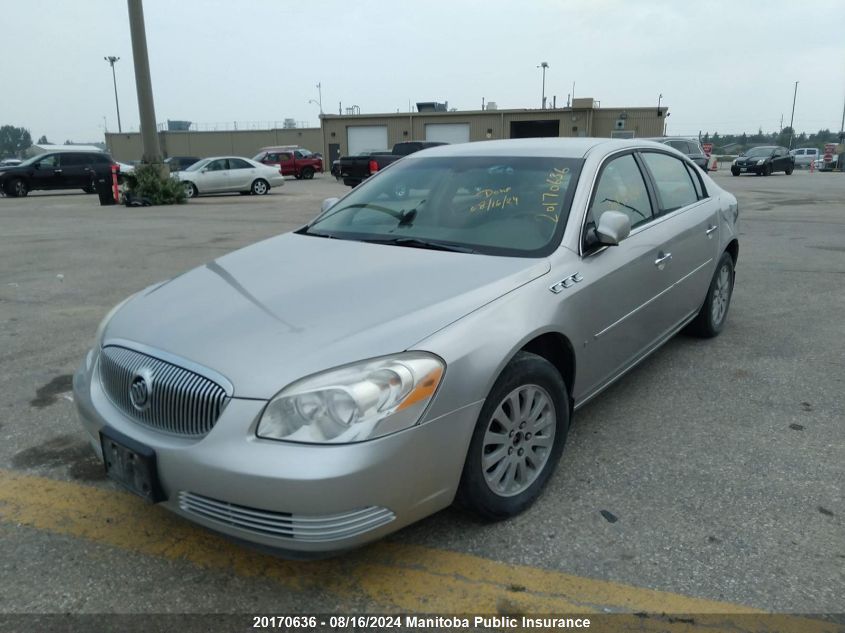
518 439
90 188
711 318
307 173
789 171
260 187
191 190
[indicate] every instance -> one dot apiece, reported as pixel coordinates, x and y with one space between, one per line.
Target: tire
789 170
490 485
17 188
714 312
767 170
191 190
259 187
734 171
307 173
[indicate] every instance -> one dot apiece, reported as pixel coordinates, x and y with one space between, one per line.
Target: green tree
42 140
14 140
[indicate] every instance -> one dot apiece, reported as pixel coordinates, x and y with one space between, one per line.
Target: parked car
429 348
180 163
821 164
764 161
221 174
291 160
688 146
355 169
10 162
804 156
56 170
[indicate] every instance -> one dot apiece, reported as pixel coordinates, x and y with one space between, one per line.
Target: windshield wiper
414 242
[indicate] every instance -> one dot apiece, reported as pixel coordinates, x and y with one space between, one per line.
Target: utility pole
544 65
111 60
143 83
792 118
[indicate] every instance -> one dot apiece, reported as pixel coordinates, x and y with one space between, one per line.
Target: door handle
660 262
57 171
710 229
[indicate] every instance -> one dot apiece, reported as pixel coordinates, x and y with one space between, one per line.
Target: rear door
241 174
74 171
688 217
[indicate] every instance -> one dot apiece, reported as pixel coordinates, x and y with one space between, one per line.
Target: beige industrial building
354 133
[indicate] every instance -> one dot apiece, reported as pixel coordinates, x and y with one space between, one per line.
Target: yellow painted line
393 577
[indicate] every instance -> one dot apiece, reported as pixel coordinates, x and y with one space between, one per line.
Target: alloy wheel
721 295
518 440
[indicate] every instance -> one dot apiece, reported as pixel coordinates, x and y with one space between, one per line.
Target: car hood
293 305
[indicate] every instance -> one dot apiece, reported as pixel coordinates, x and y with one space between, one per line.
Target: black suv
56 170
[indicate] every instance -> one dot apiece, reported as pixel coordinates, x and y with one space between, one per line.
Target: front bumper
293 497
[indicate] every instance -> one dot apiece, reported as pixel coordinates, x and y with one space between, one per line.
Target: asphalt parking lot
709 479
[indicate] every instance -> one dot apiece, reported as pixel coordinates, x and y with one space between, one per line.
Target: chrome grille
180 401
314 528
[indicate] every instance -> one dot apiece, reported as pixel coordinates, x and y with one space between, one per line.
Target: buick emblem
141 389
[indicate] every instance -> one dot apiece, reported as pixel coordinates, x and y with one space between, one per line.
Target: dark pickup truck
355 169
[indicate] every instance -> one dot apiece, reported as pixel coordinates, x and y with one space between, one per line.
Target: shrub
146 183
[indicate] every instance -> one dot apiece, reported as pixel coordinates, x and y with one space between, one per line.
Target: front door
621 299
215 176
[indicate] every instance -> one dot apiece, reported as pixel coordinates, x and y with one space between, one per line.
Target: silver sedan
425 340
221 174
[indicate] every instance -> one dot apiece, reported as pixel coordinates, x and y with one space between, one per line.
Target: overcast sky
721 65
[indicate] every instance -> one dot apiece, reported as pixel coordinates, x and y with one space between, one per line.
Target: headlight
733 162
354 403
761 161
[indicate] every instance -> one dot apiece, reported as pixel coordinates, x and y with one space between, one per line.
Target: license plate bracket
131 464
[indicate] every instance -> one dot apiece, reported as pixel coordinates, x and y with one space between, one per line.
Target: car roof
551 147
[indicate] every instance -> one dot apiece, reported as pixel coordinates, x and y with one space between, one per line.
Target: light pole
792 117
143 84
544 65
111 60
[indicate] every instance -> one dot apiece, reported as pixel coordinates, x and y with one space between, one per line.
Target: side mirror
328 203
613 227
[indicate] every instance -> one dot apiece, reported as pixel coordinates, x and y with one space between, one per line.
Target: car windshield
197 165
498 205
760 151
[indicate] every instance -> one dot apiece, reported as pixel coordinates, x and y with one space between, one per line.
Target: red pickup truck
291 160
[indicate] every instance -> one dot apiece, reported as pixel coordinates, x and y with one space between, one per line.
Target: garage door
447 132
361 138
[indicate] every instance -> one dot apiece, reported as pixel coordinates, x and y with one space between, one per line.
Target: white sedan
221 174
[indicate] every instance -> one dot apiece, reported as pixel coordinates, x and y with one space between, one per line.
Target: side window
799 152
673 182
696 182
237 163
681 146
217 165
298 154
621 188
285 156
49 162
71 160
694 149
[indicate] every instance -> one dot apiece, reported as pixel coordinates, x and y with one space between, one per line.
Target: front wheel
518 439
259 187
711 318
767 170
788 171
17 188
734 171
307 173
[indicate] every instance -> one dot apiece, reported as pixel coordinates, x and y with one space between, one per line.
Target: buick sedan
424 340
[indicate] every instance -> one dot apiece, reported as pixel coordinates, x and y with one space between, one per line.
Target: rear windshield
514 206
